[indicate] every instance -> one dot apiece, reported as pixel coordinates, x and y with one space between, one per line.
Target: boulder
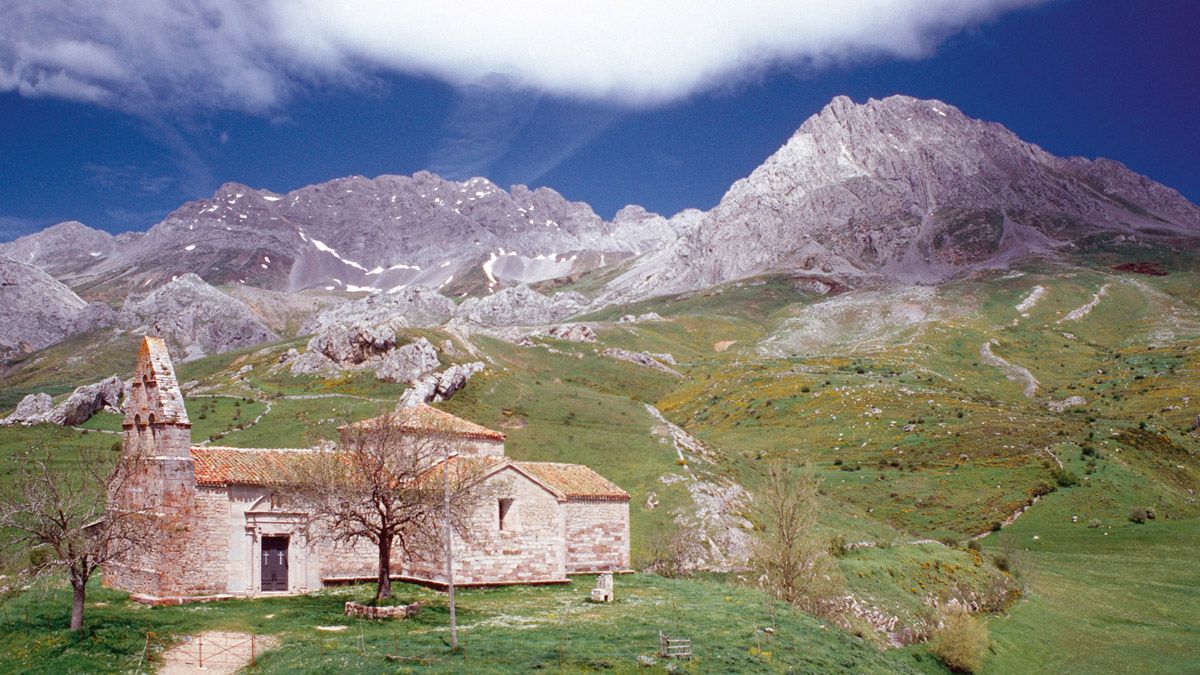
408 362
354 344
87 401
31 410
437 387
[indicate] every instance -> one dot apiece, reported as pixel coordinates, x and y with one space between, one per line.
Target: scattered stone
641 359
361 611
723 345
1069 402
573 332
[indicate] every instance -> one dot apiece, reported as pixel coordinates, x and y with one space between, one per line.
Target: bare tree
384 483
64 512
792 561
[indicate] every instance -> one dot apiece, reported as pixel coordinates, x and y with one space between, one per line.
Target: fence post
200 648
252 650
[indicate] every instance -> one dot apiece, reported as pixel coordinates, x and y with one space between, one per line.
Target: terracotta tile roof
424 418
216 466
576 481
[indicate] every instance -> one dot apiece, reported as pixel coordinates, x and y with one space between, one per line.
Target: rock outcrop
36 310
573 332
199 318
408 362
655 361
520 306
413 307
31 410
78 408
437 387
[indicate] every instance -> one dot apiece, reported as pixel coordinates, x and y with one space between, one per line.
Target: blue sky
117 140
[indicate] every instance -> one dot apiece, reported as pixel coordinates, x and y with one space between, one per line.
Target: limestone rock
86 401
573 332
437 387
906 190
642 359
196 316
408 362
353 345
416 307
520 306
35 309
31 410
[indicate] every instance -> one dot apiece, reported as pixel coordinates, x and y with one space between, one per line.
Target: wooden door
274 563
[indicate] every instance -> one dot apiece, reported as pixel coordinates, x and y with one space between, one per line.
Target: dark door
274 564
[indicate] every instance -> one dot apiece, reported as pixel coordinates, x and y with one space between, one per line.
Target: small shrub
1141 514
973 545
1065 478
837 462
961 642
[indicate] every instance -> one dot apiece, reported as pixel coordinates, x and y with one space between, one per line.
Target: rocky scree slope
906 190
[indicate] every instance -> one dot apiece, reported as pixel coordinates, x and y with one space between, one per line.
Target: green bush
1141 514
1065 478
961 642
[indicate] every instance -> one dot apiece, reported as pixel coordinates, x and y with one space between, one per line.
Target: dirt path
214 652
1011 370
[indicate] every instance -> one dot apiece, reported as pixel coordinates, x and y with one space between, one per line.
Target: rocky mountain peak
907 190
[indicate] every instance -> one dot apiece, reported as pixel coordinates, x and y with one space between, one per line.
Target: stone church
225 527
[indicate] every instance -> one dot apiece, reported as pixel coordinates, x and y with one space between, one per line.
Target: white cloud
253 56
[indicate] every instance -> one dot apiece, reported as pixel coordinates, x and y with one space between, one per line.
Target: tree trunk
385 569
79 589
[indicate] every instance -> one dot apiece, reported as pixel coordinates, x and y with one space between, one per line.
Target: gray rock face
353 345
36 310
384 233
520 306
87 401
408 362
906 190
437 387
63 250
31 410
79 407
414 307
200 318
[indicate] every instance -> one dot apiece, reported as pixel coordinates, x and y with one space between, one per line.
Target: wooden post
200 648
449 550
252 650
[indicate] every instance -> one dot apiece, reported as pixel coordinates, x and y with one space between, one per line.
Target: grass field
504 630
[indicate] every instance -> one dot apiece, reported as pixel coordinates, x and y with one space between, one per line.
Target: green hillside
931 414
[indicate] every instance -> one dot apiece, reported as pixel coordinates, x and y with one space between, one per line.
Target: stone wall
597 536
529 549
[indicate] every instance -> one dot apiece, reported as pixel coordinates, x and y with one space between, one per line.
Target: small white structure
603 592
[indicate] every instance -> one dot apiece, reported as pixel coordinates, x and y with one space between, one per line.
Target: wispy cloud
13 227
143 55
480 129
